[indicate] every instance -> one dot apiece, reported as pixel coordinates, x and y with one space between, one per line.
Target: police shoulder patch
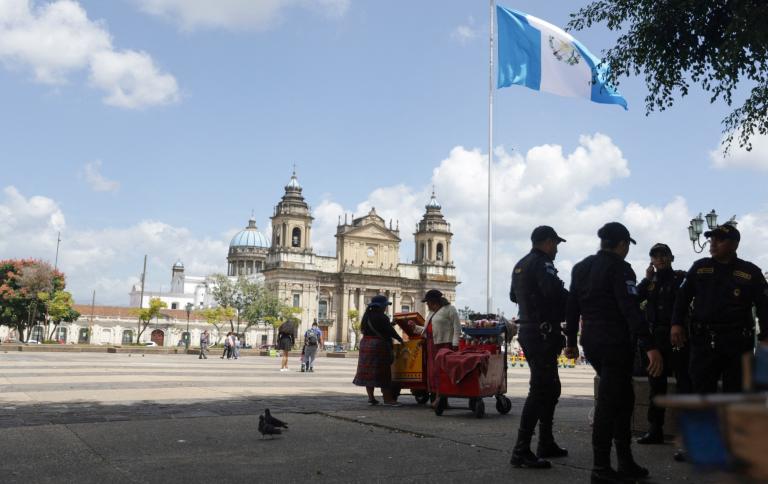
743 275
631 288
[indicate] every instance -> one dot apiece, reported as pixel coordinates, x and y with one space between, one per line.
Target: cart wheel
472 404
440 407
421 398
503 404
479 408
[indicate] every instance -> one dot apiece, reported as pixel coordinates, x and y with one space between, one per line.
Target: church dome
433 203
250 237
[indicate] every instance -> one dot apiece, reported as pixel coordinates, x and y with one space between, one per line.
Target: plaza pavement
94 417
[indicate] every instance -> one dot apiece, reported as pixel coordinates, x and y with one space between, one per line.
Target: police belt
722 328
544 327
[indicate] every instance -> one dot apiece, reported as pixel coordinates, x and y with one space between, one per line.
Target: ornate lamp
696 229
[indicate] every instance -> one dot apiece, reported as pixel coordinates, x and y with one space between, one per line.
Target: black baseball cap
379 301
615 231
725 231
545 232
432 295
660 249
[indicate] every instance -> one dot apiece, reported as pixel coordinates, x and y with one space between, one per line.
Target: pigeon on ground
268 418
267 429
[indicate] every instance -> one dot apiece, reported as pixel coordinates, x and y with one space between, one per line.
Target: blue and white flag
541 56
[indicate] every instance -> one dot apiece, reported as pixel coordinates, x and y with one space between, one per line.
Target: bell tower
291 221
433 236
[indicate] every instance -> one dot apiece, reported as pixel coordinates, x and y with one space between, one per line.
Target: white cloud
106 260
56 39
466 32
756 159
97 181
543 186
235 14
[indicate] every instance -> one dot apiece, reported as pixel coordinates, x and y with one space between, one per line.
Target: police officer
605 296
541 299
658 290
723 289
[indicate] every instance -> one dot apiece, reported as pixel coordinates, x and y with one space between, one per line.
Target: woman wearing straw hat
376 354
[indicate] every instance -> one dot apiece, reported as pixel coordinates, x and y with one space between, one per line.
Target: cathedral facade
367 263
326 289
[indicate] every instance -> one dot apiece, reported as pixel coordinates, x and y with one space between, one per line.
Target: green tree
238 294
145 315
718 45
25 286
263 307
60 309
354 323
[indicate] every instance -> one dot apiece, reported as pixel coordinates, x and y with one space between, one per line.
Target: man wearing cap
658 290
541 298
723 289
604 295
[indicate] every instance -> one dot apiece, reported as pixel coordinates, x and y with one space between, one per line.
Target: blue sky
367 98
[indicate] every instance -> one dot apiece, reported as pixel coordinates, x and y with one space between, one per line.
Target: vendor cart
488 337
409 364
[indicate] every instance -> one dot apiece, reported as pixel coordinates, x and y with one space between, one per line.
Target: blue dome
250 237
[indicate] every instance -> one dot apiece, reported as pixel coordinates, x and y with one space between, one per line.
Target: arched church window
439 251
423 251
296 237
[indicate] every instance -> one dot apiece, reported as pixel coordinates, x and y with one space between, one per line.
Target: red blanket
459 364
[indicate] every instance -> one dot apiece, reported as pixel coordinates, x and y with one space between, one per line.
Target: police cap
615 231
660 249
725 231
545 232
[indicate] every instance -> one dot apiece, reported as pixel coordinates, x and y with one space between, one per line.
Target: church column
396 302
430 255
342 329
448 252
361 301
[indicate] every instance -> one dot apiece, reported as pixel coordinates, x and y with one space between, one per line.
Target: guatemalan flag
538 55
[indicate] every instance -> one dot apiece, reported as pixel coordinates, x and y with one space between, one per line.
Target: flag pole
489 254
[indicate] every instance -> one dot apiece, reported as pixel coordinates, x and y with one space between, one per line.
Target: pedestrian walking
658 291
604 293
541 298
204 341
313 338
227 346
723 289
374 363
236 346
286 335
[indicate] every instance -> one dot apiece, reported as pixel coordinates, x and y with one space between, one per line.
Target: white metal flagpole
489 255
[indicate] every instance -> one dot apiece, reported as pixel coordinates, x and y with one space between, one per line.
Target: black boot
522 455
628 468
602 472
549 448
605 475
655 435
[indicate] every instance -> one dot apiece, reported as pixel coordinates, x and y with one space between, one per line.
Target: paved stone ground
173 418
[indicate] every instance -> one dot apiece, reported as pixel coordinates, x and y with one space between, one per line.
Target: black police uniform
659 295
604 294
722 326
541 298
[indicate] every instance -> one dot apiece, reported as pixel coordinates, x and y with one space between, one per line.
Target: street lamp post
696 228
188 307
